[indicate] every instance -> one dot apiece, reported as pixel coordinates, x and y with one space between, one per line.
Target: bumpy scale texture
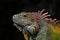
35 27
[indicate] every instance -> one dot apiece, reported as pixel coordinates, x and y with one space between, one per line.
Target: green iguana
35 26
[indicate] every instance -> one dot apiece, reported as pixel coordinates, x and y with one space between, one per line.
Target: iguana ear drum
30 30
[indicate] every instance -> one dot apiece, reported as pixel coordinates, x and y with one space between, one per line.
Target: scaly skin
55 32
36 26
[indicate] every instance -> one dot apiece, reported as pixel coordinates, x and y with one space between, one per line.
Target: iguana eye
25 15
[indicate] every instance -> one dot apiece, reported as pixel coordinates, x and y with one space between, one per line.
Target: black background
10 7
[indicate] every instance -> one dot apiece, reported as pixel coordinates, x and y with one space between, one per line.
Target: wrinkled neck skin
41 35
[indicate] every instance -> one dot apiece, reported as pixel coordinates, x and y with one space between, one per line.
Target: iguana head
26 20
31 20
22 18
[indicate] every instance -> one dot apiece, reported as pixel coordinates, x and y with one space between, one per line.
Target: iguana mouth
20 25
